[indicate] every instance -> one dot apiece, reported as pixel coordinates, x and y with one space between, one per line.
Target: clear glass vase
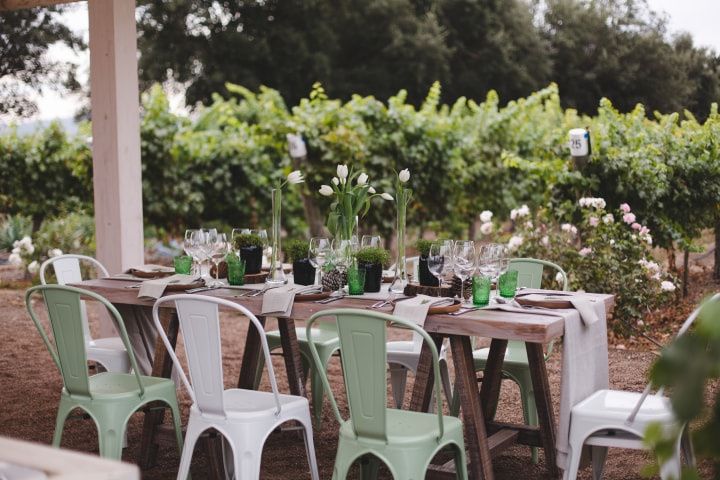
276 276
400 280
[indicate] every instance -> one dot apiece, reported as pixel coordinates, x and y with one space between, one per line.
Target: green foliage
13 228
296 249
72 233
247 240
423 247
373 255
687 367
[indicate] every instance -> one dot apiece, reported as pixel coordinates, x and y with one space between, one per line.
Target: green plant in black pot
426 278
373 259
251 250
297 253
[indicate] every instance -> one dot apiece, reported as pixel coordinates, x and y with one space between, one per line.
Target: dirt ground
30 386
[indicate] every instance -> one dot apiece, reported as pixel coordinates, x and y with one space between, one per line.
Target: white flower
584 252
404 175
33 267
336 181
486 228
667 286
15 259
559 278
523 211
54 252
629 218
486 216
371 190
608 219
24 245
295 177
513 214
296 145
612 241
573 230
515 241
545 240
566 227
387 196
326 190
528 224
592 202
362 179
342 171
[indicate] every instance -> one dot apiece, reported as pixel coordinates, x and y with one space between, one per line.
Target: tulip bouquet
277 275
352 194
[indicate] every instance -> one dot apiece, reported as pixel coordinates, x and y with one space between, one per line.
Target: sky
698 17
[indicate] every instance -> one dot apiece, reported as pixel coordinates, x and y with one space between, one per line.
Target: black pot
373 276
427 279
253 259
303 272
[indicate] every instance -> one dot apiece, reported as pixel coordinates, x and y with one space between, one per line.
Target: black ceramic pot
427 279
373 276
303 272
253 259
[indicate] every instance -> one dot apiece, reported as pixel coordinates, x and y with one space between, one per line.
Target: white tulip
362 179
295 177
336 181
342 171
387 196
404 175
33 267
372 190
296 145
326 190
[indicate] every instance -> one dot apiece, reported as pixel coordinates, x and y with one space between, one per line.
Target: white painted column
117 175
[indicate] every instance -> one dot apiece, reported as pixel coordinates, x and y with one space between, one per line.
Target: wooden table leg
473 418
291 354
492 378
543 402
424 378
162 367
251 355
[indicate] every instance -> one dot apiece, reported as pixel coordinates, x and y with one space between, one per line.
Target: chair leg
110 438
248 466
398 379
598 461
527 397
573 462
310 447
445 378
460 463
191 438
63 411
455 403
175 409
369 467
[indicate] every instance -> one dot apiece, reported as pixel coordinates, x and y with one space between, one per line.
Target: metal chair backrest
530 272
363 344
200 327
64 306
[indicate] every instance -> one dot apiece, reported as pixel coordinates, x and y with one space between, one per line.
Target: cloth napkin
584 305
156 287
9 471
415 310
150 268
279 301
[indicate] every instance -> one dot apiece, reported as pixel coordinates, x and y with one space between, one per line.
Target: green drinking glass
183 264
481 290
507 284
356 280
236 272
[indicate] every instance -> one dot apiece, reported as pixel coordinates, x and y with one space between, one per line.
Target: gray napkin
155 288
278 301
150 268
415 310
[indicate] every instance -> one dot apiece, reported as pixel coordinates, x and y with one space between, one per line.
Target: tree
25 36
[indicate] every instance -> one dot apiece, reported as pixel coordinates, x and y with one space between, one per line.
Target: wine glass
219 245
370 241
464 260
198 238
488 261
439 260
342 256
320 248
190 248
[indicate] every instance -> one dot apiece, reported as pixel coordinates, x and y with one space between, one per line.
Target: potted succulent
251 250
297 253
373 259
426 279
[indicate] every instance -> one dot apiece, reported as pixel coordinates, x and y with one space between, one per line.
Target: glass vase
400 280
276 276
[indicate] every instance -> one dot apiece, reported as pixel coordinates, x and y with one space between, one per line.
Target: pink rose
625 208
585 251
629 218
644 230
636 226
594 221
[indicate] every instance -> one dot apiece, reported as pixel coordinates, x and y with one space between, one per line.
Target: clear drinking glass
191 249
464 262
342 255
370 241
439 260
220 248
198 239
320 248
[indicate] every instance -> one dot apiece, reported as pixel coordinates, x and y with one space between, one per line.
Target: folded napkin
278 301
150 268
585 305
415 310
155 288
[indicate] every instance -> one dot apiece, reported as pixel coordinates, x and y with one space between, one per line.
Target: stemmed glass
342 256
439 260
370 241
464 260
320 248
197 242
489 261
220 248
191 248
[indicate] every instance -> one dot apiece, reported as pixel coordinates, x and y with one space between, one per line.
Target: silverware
200 289
463 312
331 299
136 285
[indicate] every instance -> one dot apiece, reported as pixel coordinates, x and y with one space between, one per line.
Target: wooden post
117 175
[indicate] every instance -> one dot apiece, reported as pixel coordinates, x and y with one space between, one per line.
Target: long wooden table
485 437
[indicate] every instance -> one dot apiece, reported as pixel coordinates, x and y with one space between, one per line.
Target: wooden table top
531 327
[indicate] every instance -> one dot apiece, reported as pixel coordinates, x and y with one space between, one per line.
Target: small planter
303 272
373 276
427 279
253 259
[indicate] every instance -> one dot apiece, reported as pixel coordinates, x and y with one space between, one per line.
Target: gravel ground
30 386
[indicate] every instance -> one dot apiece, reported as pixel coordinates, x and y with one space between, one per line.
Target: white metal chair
108 352
612 418
245 418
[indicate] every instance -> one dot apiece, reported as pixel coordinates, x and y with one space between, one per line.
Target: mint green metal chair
405 441
515 366
109 398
